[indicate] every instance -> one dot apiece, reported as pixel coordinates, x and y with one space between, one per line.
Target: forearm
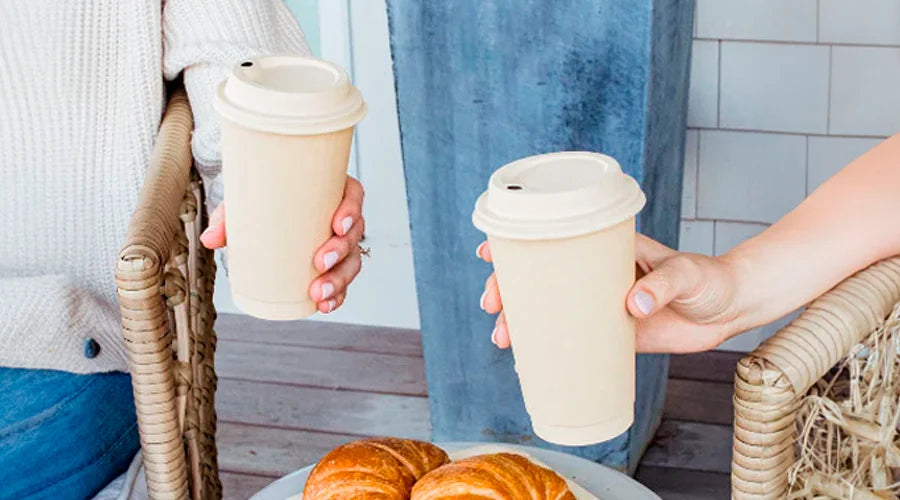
848 223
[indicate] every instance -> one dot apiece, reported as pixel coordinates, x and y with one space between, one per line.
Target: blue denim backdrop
62 435
482 83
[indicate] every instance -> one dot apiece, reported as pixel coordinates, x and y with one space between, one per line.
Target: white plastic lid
557 195
290 95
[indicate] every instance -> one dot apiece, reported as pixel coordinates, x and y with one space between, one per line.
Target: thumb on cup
673 278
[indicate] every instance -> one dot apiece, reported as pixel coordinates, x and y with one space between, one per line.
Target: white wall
783 94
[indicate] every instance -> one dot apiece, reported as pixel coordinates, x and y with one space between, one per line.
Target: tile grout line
719 84
808 44
806 186
818 8
782 132
828 103
715 224
697 177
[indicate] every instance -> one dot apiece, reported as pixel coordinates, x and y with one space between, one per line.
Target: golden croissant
381 468
498 476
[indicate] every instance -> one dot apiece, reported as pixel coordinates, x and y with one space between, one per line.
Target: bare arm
848 223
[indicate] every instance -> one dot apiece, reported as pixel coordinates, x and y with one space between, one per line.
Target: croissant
381 468
498 476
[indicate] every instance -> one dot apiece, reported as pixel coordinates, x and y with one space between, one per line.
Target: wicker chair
165 287
772 382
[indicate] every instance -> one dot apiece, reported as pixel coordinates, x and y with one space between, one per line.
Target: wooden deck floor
289 392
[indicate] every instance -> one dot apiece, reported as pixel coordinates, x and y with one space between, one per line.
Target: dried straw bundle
848 445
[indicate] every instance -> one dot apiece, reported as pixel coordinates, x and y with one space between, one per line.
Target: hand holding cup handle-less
287 126
571 334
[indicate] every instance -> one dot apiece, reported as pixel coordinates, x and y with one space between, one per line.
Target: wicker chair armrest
154 230
155 221
771 382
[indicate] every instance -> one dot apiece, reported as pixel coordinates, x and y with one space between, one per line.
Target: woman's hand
339 259
682 302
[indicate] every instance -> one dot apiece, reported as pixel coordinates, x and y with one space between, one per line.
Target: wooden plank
675 484
320 334
713 366
692 446
242 486
329 369
272 452
707 402
304 408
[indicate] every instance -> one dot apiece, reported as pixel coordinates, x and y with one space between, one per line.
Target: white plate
600 481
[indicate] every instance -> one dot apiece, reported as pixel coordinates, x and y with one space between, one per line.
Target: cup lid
290 95
557 195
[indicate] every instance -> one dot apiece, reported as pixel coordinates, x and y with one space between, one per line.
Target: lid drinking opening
513 187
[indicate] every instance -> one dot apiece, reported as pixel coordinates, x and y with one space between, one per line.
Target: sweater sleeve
204 39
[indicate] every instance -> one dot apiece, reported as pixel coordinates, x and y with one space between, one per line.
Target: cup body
281 192
572 337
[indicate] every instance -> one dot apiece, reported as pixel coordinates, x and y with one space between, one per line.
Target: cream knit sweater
81 96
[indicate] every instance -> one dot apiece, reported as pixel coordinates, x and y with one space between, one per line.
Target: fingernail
330 259
346 224
331 305
494 336
481 302
644 301
478 250
327 290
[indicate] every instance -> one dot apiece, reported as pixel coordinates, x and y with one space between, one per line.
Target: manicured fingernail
346 224
494 337
481 302
330 259
327 290
478 250
644 301
331 305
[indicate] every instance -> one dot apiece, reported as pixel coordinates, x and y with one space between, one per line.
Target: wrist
746 305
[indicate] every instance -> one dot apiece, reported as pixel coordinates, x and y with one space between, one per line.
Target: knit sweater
81 98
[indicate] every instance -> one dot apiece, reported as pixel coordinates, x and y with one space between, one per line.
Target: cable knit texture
81 97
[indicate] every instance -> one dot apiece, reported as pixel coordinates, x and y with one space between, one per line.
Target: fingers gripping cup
287 126
562 231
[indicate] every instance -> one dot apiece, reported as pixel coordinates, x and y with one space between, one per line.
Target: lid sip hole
513 187
246 64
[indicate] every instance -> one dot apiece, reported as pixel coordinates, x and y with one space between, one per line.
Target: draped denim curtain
482 83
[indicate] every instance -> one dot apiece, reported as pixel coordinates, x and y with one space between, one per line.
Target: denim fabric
480 84
62 435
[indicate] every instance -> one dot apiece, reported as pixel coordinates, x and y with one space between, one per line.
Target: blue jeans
62 435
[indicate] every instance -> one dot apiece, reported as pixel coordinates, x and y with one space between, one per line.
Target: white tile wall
731 234
689 186
750 176
827 155
865 91
875 22
771 86
789 20
697 236
785 93
704 88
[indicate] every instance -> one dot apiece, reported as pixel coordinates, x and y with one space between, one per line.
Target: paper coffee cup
562 233
287 126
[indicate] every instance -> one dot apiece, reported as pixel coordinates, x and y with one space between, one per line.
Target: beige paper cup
562 232
287 127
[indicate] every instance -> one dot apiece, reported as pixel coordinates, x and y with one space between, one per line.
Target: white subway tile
827 155
696 236
731 234
774 87
874 22
703 94
865 99
689 185
749 176
777 20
